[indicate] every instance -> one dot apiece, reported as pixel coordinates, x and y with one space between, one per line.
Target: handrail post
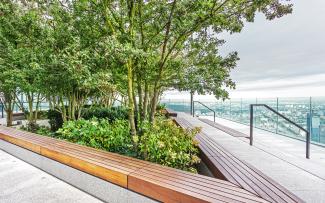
2 116
308 145
193 109
251 125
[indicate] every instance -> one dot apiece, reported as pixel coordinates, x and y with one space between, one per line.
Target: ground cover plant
170 145
163 143
99 133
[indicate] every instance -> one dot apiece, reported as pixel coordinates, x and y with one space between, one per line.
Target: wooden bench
171 113
181 122
18 116
224 128
226 166
152 180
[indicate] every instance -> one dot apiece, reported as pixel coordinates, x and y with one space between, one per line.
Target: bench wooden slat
205 189
178 194
85 165
224 128
226 166
171 113
231 167
276 193
18 116
155 181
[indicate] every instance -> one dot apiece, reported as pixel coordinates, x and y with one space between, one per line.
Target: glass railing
306 112
42 106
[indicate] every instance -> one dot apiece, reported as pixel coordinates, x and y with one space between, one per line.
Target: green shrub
30 127
36 128
160 107
99 133
111 114
43 130
55 119
169 145
43 114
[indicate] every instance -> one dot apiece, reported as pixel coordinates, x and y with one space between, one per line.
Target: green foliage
43 130
72 52
99 133
36 128
160 107
111 114
162 143
169 145
40 114
55 119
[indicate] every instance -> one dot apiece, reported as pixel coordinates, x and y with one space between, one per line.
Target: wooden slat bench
18 116
226 166
152 180
171 113
224 128
181 122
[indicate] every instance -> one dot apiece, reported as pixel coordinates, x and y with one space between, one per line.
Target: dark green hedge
111 114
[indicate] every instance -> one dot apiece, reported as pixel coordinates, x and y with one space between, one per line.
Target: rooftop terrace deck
278 157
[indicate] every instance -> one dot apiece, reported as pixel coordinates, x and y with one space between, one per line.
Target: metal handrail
282 116
214 113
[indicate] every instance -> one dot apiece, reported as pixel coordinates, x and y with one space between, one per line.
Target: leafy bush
169 145
43 130
55 119
36 128
99 133
30 127
160 107
111 114
42 114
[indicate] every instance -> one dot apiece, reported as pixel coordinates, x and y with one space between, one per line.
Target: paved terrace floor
21 182
279 157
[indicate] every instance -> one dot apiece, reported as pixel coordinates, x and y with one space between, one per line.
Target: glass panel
298 110
318 120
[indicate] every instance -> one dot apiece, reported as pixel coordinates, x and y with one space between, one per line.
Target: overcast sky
283 57
280 58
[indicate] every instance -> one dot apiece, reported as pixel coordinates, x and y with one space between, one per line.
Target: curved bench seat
152 180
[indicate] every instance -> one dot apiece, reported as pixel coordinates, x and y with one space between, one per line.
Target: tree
8 43
160 35
133 48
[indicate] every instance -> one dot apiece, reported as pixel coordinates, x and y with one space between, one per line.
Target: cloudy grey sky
280 58
283 57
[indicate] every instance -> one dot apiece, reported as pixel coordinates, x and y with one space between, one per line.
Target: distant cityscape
307 112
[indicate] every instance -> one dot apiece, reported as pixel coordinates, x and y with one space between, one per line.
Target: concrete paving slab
21 182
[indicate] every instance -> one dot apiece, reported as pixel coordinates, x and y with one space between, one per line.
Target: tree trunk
130 99
136 110
145 101
154 104
63 109
30 106
9 113
37 106
8 104
192 104
140 105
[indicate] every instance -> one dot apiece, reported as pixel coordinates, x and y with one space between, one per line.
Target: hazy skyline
283 57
